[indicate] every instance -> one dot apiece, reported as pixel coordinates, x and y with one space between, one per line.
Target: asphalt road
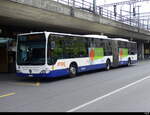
125 89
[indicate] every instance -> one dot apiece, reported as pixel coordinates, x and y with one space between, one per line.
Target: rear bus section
132 53
124 52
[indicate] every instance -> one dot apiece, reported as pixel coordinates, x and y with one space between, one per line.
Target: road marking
104 96
6 95
37 84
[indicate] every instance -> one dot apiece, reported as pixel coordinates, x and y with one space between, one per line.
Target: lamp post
138 16
94 6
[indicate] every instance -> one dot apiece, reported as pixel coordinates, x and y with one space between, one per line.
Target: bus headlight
48 70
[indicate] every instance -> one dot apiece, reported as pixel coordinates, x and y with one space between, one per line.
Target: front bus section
31 55
71 54
50 54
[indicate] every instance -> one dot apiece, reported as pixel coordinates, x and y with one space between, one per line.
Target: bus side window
55 49
68 47
108 48
90 42
83 48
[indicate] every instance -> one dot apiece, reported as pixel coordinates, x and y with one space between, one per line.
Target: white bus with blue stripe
50 54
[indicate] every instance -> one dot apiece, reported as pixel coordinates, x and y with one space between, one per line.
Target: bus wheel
129 62
108 65
73 70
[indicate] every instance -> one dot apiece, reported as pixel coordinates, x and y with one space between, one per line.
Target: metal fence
97 10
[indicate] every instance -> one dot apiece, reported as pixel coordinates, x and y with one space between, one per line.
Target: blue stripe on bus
63 72
30 75
52 74
91 67
126 62
58 73
123 62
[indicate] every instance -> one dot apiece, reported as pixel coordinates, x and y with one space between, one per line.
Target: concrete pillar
140 48
142 51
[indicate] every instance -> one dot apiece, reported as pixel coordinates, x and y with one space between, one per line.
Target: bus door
115 53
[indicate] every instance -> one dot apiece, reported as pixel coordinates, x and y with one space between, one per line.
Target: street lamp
138 16
94 6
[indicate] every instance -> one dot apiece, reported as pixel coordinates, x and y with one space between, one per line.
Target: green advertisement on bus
123 52
96 53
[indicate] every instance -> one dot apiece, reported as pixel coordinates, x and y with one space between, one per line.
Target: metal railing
97 10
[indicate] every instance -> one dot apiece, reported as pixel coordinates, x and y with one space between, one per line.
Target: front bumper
52 74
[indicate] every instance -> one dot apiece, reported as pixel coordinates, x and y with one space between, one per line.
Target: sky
144 6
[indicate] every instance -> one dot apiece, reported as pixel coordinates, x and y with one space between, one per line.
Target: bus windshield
31 49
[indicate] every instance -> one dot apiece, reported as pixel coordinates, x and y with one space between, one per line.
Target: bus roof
121 39
96 36
31 33
49 33
87 36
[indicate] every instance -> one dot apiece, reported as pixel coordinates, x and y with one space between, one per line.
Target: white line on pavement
111 93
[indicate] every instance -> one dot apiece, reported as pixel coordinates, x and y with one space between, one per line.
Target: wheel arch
108 60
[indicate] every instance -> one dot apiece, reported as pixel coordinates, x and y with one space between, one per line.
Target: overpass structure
55 16
70 16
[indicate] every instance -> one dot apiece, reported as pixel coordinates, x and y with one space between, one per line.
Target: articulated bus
50 54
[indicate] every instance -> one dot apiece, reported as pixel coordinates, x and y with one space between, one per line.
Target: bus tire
129 62
108 65
73 70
